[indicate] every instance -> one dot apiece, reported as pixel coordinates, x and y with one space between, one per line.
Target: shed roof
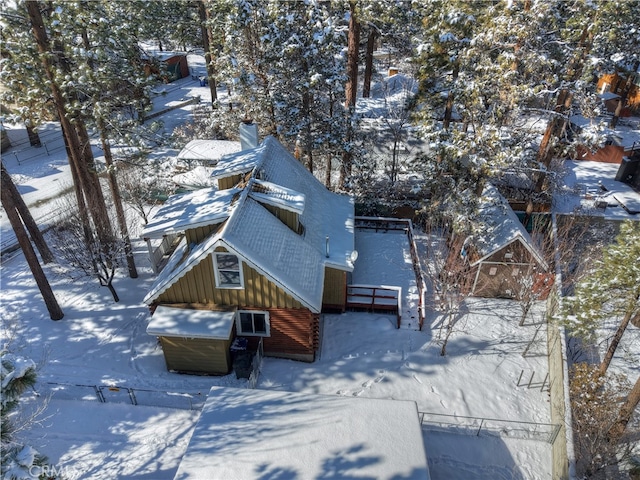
257 433
199 208
500 227
208 150
190 323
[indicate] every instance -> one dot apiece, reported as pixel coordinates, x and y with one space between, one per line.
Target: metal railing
544 432
121 394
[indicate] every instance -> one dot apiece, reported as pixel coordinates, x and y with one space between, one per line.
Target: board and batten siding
290 219
334 296
197 355
199 286
229 182
197 235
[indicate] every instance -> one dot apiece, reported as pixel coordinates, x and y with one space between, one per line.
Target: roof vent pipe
248 134
326 247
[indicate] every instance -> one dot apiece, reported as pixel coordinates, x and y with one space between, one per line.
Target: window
228 269
251 322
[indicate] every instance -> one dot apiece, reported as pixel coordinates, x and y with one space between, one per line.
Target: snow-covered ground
100 350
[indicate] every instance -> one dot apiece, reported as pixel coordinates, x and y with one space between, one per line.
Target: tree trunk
368 63
633 399
606 361
351 90
34 138
27 219
55 312
113 292
623 98
208 59
81 158
448 111
117 201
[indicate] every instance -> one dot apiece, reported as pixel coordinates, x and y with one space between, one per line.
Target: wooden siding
199 286
197 355
290 219
196 235
295 334
334 295
505 282
228 182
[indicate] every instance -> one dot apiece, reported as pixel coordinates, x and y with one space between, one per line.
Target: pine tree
610 290
17 374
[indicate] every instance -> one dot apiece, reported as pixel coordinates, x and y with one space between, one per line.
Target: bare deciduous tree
82 251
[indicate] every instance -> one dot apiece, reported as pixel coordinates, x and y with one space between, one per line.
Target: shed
503 259
246 433
194 341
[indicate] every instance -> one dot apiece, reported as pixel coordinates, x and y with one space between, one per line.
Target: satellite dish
354 256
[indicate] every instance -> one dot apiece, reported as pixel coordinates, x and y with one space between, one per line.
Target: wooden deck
375 298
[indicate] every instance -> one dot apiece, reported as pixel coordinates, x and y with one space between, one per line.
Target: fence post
480 428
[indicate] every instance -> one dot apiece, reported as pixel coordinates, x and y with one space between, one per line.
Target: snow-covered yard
101 344
100 350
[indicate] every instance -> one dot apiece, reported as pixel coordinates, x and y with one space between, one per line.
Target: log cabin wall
295 334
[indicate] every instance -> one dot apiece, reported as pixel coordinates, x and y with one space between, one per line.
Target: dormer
285 204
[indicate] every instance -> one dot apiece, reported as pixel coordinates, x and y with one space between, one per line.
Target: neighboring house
614 84
261 257
174 63
622 142
502 260
248 433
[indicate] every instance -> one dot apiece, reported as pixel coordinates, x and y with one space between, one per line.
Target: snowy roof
588 184
198 177
246 433
501 227
396 90
291 260
277 196
208 150
626 133
190 210
180 322
237 163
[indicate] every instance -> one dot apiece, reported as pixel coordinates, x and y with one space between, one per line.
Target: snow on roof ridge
503 224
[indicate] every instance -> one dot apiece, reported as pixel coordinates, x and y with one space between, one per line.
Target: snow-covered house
244 433
261 257
502 259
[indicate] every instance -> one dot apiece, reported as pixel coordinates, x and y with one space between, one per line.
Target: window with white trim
228 269
252 323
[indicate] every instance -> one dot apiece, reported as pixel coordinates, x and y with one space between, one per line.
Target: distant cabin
501 260
260 258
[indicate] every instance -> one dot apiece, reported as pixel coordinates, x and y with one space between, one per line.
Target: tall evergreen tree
610 290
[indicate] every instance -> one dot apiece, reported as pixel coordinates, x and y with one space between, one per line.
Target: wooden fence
375 298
